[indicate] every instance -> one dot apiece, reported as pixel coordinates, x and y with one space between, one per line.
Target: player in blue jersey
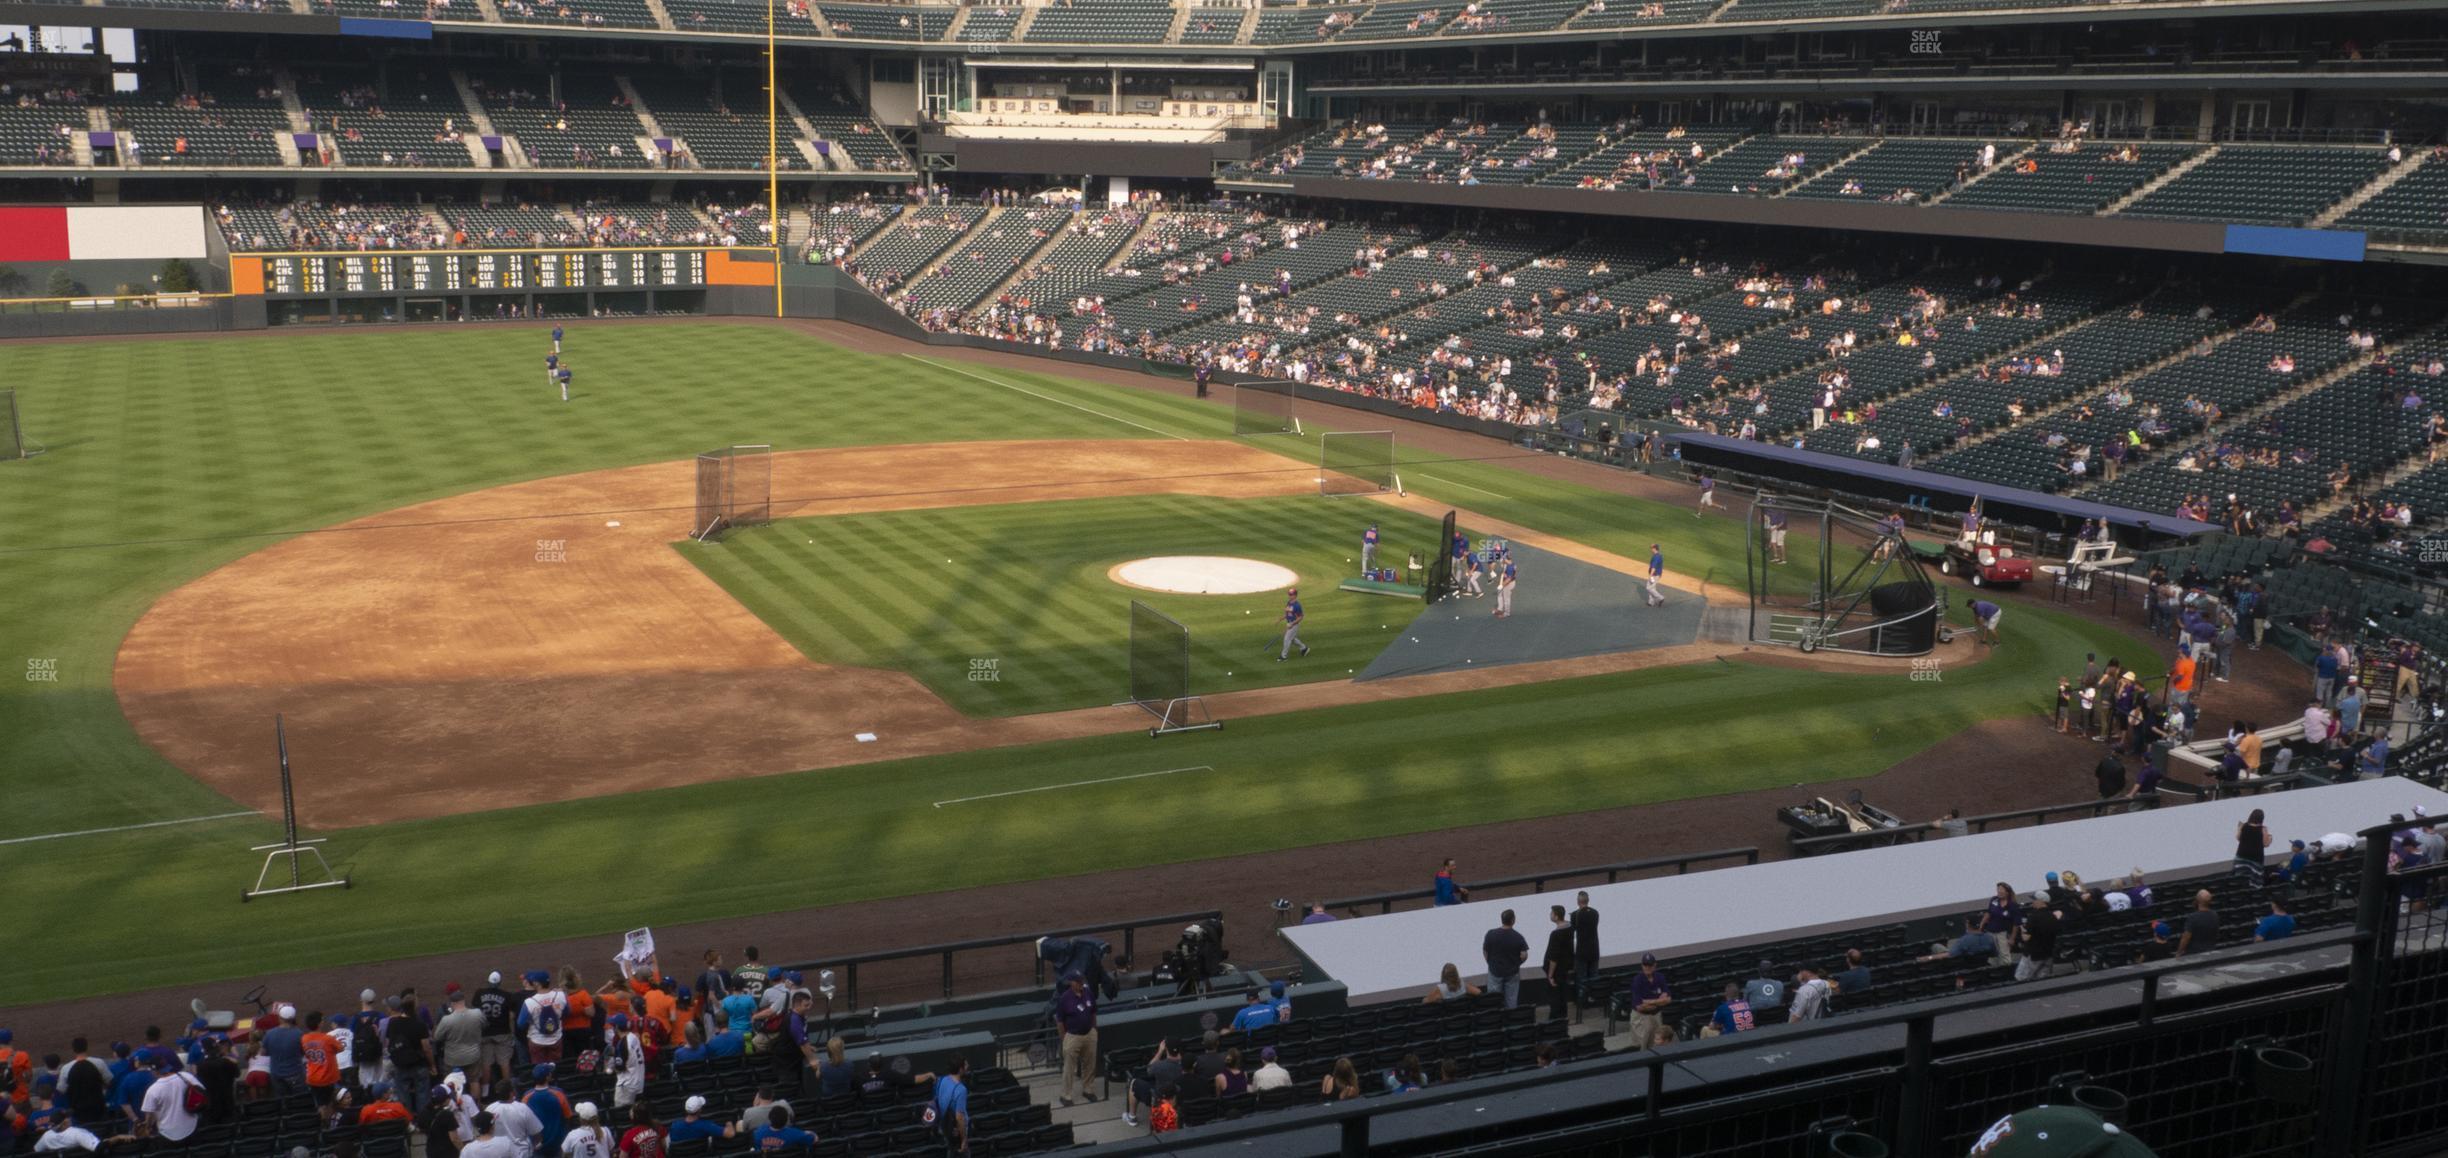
564 380
1504 589
552 368
556 339
1292 622
1657 571
1368 549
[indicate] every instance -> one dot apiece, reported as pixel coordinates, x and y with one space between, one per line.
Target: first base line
1075 784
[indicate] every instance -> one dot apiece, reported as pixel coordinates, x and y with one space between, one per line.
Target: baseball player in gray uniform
1292 621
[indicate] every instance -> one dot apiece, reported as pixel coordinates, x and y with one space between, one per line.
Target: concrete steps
2156 183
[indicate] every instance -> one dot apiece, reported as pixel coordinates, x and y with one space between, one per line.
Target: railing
2088 810
850 965
1538 881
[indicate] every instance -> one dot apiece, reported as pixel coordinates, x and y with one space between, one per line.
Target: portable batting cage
1266 408
734 489
1356 462
1441 563
1824 576
1160 673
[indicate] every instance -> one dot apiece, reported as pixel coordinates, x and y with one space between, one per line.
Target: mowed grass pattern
1025 586
172 457
169 458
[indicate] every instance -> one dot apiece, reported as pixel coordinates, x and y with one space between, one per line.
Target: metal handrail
1538 880
849 963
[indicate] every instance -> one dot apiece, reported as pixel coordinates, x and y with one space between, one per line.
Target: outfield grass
172 457
1024 586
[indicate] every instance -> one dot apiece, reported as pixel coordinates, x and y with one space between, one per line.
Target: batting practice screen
12 442
1265 408
1440 563
1159 656
734 488
1357 462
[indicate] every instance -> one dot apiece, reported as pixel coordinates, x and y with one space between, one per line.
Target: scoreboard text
355 274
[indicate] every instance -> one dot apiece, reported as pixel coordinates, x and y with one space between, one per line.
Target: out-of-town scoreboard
478 271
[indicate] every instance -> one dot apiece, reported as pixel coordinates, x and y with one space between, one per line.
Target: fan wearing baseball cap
693 1125
2057 1132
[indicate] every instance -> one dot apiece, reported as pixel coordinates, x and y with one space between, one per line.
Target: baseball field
504 676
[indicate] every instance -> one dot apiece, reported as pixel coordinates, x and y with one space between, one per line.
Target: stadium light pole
773 155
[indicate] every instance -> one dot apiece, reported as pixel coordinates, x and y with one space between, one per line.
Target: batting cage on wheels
1441 563
734 489
1356 462
1266 408
1825 576
1160 673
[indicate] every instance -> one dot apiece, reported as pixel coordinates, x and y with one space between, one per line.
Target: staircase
960 22
2131 376
2378 185
637 105
1976 178
489 10
1054 237
663 20
860 250
983 224
2153 185
1173 31
1249 26
804 139
2254 414
1020 28
472 104
286 86
1830 167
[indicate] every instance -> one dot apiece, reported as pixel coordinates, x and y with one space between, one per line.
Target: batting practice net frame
1266 408
1846 583
13 441
1160 673
1356 462
1440 563
734 489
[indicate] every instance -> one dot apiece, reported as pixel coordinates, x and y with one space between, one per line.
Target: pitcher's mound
1203 575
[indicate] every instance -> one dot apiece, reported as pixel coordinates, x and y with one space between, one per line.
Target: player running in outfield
1292 621
552 368
1708 494
564 379
556 339
1657 571
1504 589
1368 549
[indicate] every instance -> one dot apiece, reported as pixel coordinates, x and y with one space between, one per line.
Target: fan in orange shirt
385 1107
663 1008
578 1020
322 1054
19 1065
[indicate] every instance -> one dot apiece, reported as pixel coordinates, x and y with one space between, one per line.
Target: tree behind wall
12 282
177 277
61 284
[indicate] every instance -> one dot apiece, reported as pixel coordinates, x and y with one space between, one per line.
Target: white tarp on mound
1205 575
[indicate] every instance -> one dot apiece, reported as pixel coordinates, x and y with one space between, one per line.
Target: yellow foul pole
773 155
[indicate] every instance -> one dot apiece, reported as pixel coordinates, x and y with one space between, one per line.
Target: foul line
1464 486
1044 397
1074 784
127 827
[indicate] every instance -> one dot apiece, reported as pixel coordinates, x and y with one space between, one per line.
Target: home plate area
1562 609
